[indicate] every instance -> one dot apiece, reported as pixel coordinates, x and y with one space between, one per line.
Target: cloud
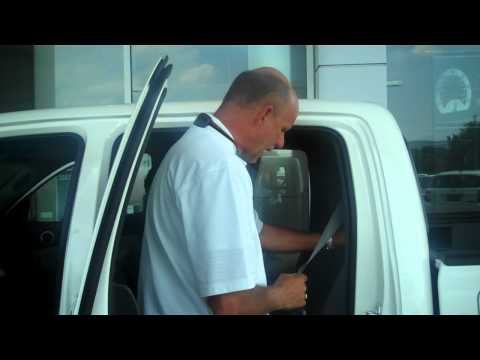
88 75
148 50
144 58
198 74
445 49
423 49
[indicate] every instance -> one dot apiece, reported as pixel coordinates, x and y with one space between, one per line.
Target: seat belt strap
334 223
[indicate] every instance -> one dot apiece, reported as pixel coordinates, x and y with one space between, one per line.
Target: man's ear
264 113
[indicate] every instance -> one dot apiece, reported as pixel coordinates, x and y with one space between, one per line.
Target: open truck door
95 288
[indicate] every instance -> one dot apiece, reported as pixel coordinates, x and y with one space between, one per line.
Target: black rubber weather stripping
351 228
67 217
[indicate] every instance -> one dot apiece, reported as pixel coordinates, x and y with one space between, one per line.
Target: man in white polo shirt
202 247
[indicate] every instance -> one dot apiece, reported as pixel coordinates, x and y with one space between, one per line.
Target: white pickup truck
73 184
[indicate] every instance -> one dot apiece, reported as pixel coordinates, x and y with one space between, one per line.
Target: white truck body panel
392 246
458 289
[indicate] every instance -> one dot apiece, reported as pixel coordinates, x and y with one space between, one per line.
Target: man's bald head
258 109
254 86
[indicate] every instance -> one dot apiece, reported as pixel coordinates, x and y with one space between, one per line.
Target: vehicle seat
282 198
122 300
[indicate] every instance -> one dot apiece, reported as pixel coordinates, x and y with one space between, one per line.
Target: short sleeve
220 230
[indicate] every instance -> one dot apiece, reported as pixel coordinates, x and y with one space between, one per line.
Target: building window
204 72
434 93
89 75
92 75
78 75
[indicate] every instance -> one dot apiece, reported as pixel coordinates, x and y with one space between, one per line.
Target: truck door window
48 203
36 201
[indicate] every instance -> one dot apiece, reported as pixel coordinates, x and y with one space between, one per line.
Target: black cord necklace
203 120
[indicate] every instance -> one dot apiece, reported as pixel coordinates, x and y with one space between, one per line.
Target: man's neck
234 120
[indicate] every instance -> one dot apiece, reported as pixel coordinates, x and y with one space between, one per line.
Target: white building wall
351 73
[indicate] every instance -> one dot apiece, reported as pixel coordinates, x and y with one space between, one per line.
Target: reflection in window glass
88 75
48 202
137 201
437 103
204 72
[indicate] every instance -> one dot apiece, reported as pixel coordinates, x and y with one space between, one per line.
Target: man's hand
290 291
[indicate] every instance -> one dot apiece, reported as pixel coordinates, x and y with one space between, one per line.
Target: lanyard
203 120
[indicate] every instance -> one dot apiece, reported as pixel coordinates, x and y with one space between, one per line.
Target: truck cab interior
298 187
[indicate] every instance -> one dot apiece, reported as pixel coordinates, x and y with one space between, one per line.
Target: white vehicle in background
453 192
424 181
72 233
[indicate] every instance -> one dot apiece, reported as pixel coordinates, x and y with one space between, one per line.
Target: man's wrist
273 297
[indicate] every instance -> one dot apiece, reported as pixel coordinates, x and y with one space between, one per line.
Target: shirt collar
221 125
224 128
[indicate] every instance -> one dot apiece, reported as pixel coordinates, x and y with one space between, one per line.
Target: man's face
270 134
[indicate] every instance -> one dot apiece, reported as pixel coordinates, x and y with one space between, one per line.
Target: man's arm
288 292
274 238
